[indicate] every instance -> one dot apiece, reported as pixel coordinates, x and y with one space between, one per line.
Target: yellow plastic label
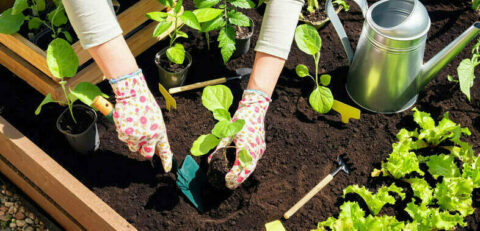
169 100
275 226
346 111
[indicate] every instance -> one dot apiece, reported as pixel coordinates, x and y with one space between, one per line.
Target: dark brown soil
83 120
172 67
242 32
316 16
301 145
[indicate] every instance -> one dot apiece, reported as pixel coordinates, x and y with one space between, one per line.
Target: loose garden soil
301 145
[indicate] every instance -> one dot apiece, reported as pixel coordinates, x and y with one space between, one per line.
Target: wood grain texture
73 197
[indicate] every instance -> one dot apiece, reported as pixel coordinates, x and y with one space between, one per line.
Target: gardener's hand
139 120
252 109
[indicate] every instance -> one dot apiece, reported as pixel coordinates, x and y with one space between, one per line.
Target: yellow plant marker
275 226
169 100
346 111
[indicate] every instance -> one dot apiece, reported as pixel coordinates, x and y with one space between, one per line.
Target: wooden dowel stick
308 196
174 90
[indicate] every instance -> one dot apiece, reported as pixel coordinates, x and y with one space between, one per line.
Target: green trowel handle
104 107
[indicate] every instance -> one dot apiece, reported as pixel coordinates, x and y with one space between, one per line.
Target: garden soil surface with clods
301 145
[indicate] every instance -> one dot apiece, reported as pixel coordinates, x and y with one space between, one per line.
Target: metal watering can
387 70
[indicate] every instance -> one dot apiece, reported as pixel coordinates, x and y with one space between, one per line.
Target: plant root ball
219 166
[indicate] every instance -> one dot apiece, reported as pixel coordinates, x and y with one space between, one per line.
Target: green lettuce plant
218 100
466 71
440 202
223 18
308 40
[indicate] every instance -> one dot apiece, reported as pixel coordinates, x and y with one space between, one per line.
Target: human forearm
265 73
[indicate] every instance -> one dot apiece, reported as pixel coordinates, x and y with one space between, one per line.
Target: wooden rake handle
174 90
104 107
308 196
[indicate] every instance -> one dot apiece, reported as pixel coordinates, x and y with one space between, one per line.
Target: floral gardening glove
139 120
252 109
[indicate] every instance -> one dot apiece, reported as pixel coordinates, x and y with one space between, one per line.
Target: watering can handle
337 24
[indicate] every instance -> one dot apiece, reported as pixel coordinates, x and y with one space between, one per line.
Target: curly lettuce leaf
421 189
455 194
442 165
472 171
375 202
426 218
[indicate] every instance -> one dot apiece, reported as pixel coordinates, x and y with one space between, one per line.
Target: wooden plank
28 51
73 197
45 202
26 71
129 19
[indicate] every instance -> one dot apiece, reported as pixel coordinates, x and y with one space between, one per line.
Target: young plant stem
316 57
207 36
69 103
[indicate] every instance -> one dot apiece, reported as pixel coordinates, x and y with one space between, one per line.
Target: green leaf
401 162
239 19
19 6
375 202
181 34
455 194
321 99
307 39
374 223
217 97
244 158
178 7
226 42
58 16
302 70
205 3
47 99
9 23
213 24
221 115
157 16
464 153
207 14
442 165
34 23
227 128
189 18
423 119
40 5
351 217
176 53
245 4
475 4
161 28
204 144
86 92
67 35
426 218
61 59
421 189
466 76
451 79
168 3
325 79
472 171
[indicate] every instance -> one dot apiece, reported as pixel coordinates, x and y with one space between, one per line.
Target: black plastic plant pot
81 141
172 79
242 45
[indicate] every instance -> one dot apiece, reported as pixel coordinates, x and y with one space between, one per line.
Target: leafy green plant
218 100
223 18
440 201
308 40
475 4
466 70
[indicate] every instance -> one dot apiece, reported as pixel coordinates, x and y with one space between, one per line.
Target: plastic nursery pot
242 45
318 24
81 141
172 79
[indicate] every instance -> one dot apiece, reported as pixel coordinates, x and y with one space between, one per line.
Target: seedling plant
218 100
442 183
308 40
466 71
223 18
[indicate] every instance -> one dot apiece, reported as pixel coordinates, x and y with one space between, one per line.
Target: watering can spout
440 60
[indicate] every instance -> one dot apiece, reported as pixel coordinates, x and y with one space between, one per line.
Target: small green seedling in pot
176 51
218 100
466 71
308 40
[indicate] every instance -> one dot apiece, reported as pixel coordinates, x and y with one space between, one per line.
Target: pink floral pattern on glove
139 120
252 109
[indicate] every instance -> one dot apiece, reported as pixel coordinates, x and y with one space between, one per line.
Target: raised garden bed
28 61
301 145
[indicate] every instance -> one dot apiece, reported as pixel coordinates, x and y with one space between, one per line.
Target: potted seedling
218 100
236 28
308 40
173 62
315 15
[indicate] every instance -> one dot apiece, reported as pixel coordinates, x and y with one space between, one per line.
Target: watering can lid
415 24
